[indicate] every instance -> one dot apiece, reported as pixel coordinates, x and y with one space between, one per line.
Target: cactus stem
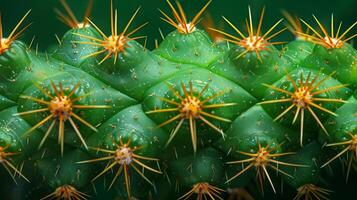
66 192
181 23
71 20
261 160
115 43
191 107
203 190
5 43
4 154
303 99
351 146
330 41
310 192
125 157
61 107
254 41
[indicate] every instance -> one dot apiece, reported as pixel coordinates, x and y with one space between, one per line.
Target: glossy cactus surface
206 116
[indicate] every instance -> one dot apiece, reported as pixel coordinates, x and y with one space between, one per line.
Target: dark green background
46 25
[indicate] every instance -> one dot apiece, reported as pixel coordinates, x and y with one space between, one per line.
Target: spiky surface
192 118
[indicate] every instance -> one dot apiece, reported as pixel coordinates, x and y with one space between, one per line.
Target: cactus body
191 118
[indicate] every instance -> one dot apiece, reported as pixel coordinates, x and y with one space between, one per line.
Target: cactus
102 117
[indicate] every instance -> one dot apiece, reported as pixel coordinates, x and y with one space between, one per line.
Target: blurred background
46 25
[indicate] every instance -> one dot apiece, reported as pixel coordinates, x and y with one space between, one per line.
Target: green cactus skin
141 140
307 175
